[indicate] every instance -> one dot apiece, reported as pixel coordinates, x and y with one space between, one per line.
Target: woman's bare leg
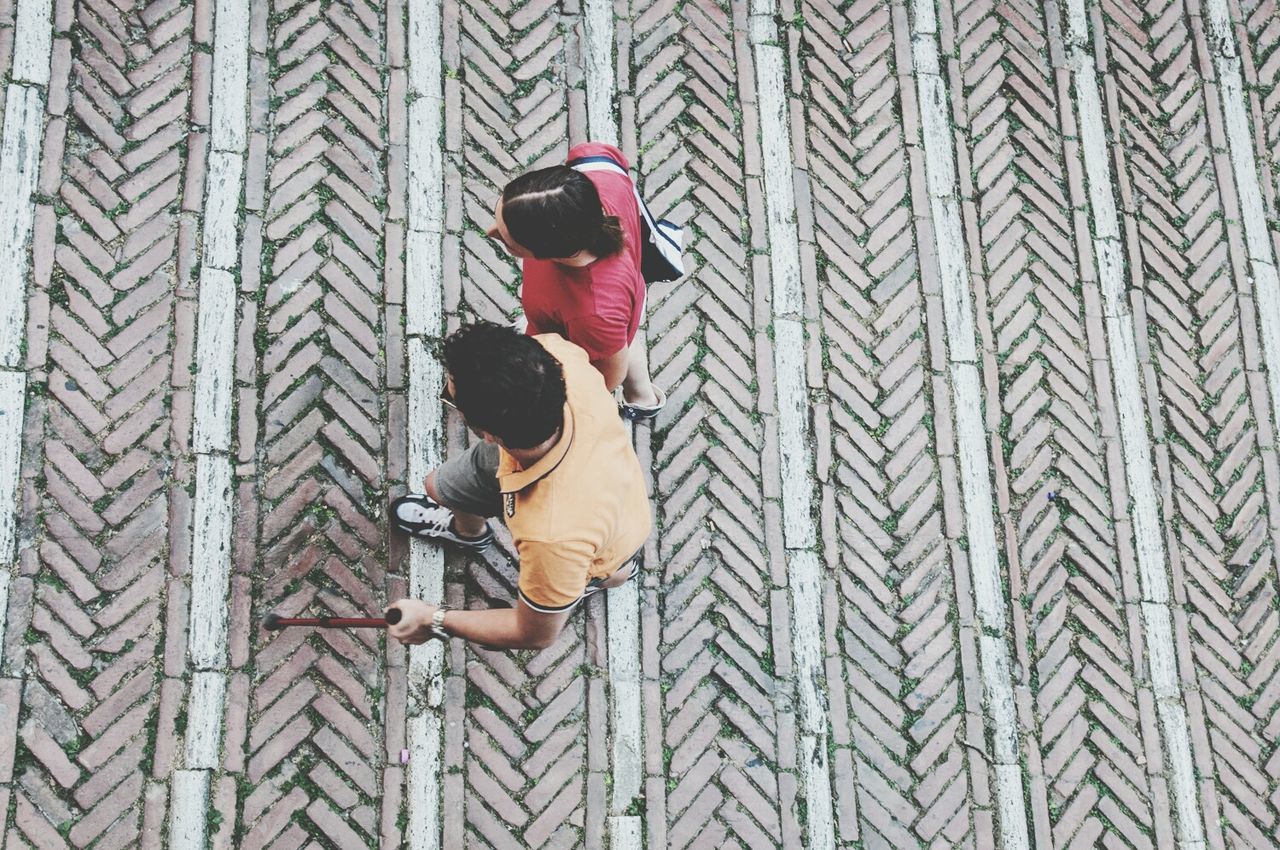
637 387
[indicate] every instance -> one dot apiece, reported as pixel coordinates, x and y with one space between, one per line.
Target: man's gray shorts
469 482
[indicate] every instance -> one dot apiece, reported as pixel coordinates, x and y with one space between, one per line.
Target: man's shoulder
561 349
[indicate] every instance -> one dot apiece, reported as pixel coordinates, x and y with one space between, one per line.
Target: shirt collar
513 479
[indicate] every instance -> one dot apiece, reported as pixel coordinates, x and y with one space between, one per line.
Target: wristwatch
437 624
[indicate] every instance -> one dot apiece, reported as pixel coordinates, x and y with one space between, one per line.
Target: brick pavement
1053 199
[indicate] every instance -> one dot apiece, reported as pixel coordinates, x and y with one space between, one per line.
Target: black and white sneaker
639 413
420 516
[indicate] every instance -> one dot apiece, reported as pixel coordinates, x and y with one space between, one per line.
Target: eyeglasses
447 397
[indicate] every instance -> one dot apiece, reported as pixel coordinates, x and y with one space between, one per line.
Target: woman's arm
614 368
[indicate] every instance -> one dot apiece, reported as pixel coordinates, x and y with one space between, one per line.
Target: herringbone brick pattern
313 745
96 686
1216 446
718 661
1061 537
899 699
1248 706
109 434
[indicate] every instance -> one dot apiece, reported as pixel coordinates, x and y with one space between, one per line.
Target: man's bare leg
620 576
465 524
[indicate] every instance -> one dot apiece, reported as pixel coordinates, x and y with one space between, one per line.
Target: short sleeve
600 336
553 575
598 149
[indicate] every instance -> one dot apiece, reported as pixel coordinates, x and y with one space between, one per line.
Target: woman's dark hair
555 212
505 383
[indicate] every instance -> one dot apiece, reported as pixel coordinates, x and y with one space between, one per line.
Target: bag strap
597 160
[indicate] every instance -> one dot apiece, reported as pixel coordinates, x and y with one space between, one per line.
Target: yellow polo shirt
581 511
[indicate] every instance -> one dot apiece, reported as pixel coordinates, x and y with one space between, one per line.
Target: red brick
165 759
10 692
237 709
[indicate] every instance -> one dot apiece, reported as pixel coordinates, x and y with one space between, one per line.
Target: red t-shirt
596 307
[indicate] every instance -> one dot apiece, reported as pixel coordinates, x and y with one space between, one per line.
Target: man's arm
520 627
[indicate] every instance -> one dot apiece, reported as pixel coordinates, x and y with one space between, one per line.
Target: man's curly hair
505 383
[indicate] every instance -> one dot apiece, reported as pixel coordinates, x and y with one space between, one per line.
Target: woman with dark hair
578 236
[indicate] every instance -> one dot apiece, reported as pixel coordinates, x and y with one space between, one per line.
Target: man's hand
415 621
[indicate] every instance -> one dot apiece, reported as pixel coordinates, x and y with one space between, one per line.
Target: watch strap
437 623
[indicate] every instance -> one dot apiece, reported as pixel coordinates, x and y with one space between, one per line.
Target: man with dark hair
555 462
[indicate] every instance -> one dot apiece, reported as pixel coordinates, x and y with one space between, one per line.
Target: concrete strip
188 811
424 309
1235 113
424 798
975 485
210 563
229 122
1134 438
625 833
215 359
426 562
21 143
223 186
204 720
425 202
804 568
13 390
972 448
211 428
19 168
424 320
32 42
622 605
598 33
423 306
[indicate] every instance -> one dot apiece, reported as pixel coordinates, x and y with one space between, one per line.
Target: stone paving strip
724 742
1135 440
1230 685
799 531
967 492
626 702
1243 38
103 433
211 431
321 359
21 140
967 403
422 122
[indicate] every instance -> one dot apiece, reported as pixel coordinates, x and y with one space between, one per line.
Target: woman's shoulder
618 271
598 149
